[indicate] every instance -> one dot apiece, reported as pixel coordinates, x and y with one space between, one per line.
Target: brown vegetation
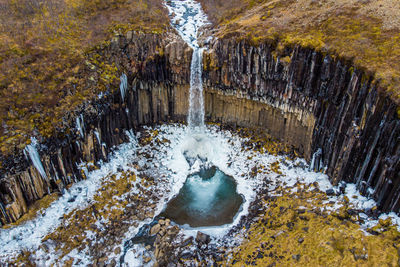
295 230
364 32
44 60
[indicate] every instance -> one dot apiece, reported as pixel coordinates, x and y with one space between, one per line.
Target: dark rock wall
350 127
158 73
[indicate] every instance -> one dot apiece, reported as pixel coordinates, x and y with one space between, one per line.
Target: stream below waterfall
199 194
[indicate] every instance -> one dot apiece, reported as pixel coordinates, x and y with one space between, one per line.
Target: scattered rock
155 229
117 251
186 255
113 263
296 257
330 192
187 241
301 211
202 238
173 230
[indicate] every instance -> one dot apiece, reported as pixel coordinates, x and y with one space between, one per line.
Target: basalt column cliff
330 111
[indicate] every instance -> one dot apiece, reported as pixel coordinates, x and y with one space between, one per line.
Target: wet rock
173 230
101 262
187 241
113 263
330 192
202 238
186 255
155 229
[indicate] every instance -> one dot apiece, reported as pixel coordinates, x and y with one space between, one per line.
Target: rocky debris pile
167 245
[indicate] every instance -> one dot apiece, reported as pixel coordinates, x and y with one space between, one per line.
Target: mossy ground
293 230
51 60
113 210
123 200
366 33
36 208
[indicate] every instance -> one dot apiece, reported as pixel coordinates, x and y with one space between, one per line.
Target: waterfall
315 164
34 156
123 86
80 125
96 133
187 18
196 99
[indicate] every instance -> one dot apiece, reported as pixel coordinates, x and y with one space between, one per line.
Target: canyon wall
157 69
326 109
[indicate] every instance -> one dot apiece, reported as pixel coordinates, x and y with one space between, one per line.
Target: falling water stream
196 99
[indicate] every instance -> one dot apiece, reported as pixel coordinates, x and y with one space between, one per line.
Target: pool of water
207 198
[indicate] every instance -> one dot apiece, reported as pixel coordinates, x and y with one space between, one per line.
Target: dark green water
208 198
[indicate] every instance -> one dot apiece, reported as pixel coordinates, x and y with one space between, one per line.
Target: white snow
29 235
187 17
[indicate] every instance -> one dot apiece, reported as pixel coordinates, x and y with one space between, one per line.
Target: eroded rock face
305 99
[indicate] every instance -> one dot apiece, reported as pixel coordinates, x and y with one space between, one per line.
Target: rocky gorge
322 107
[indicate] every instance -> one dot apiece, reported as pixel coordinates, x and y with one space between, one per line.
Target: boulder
202 238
